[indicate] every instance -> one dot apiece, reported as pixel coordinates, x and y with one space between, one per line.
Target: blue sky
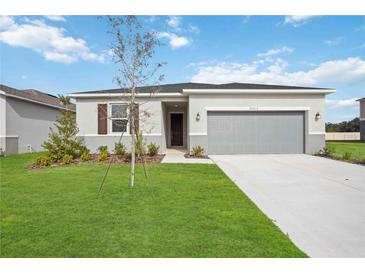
60 55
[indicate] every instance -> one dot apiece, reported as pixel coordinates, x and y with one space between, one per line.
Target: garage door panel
255 132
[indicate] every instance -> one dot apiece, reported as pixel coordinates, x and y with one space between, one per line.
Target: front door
176 129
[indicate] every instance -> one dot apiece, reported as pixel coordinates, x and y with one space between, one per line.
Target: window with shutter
119 117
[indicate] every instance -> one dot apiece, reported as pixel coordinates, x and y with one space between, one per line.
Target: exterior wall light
198 116
318 116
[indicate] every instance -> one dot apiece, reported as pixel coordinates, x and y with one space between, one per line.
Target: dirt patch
115 159
196 157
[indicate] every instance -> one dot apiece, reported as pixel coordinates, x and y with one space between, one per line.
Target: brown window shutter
136 118
102 118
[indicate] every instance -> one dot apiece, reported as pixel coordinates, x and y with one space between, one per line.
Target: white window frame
111 118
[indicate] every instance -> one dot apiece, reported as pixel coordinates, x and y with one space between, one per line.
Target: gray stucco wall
310 103
199 140
2 122
362 130
12 145
29 121
362 109
315 143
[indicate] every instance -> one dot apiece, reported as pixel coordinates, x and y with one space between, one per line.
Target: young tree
63 141
133 49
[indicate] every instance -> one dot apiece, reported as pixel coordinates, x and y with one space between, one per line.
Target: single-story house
25 119
229 118
362 118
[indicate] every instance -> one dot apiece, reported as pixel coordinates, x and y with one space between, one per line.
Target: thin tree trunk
133 149
133 158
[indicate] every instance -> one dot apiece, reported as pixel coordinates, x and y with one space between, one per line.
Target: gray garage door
255 132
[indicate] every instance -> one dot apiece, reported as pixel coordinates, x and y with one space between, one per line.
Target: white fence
342 136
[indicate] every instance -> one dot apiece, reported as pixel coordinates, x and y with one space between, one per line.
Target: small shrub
78 151
197 151
128 156
119 149
67 159
103 148
347 156
140 145
103 155
43 161
85 156
152 149
327 151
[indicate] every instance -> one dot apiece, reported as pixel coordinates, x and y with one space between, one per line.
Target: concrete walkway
177 156
319 203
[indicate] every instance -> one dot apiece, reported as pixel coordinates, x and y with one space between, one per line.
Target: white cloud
174 22
274 71
58 18
51 42
24 77
342 103
6 22
276 51
297 20
176 26
175 41
333 42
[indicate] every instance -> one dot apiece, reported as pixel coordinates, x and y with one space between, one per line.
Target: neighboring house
223 119
362 118
25 119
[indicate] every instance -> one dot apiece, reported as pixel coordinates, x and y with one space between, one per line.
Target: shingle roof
35 95
178 88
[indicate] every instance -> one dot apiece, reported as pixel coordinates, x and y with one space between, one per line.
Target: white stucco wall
87 121
87 116
201 103
29 121
196 131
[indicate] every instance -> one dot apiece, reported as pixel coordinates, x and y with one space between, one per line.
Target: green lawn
357 149
182 211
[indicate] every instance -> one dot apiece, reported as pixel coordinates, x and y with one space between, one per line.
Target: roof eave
258 91
33 101
116 95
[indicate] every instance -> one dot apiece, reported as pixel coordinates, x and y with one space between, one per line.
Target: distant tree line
345 126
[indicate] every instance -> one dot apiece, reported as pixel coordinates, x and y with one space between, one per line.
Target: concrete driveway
319 203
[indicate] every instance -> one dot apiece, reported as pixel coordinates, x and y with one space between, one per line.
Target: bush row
84 153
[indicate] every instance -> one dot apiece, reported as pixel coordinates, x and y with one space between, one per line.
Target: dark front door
176 129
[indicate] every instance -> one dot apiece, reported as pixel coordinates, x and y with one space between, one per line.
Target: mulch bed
351 161
115 159
196 157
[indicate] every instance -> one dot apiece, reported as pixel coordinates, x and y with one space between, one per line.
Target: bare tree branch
133 49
